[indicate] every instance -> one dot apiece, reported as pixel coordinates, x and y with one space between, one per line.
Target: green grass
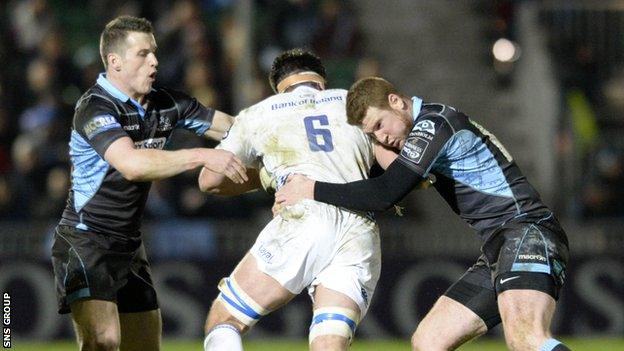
587 344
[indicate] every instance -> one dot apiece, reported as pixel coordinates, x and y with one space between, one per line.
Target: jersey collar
118 94
416 107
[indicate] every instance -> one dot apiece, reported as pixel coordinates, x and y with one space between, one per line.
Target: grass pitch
577 344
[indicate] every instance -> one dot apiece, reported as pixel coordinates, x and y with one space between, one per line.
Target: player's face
138 64
388 126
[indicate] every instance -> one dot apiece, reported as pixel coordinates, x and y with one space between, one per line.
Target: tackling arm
221 123
374 194
141 165
218 184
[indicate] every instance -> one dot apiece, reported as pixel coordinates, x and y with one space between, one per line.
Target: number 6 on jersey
319 138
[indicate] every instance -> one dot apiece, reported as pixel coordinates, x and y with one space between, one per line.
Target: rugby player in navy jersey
521 270
120 127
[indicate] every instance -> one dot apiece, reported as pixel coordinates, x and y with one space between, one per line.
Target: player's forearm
221 123
217 184
147 165
375 194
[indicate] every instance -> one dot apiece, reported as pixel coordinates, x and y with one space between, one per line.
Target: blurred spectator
31 20
338 35
199 80
603 193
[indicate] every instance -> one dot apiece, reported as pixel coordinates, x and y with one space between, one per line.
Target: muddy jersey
305 132
100 198
474 173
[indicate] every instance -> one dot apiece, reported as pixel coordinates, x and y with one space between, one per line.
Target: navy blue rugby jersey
474 173
101 199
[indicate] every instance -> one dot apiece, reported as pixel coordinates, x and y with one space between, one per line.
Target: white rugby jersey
304 131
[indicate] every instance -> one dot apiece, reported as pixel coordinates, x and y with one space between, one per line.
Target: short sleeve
425 143
96 121
193 115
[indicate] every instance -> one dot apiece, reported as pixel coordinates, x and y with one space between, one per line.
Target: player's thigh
96 323
140 330
339 314
446 326
261 287
526 315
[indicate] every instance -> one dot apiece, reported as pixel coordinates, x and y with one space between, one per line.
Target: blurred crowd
50 57
586 45
584 40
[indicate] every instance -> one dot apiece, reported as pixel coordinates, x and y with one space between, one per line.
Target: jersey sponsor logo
421 134
131 127
304 100
426 126
414 149
99 124
152 143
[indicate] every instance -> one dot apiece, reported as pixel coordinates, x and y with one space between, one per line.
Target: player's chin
146 89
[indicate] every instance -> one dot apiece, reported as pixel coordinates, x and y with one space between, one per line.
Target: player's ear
114 61
396 102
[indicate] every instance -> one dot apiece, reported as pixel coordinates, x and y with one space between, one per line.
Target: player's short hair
116 31
293 61
365 93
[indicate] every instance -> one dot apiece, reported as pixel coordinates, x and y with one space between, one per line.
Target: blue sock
553 345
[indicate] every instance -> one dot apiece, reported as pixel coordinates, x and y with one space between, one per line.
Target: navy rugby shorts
95 266
521 254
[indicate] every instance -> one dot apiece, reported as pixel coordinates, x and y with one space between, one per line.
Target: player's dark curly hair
293 61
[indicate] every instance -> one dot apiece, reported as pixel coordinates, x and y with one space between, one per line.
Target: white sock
223 337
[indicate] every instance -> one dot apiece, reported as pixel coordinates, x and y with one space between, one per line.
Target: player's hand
276 209
297 188
226 163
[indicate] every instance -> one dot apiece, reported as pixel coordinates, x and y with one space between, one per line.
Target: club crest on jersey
164 124
425 126
414 149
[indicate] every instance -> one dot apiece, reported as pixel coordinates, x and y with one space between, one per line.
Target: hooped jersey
474 173
305 132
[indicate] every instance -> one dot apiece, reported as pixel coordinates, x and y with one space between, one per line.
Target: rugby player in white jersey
331 252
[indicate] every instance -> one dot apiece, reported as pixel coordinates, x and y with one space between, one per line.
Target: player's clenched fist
226 163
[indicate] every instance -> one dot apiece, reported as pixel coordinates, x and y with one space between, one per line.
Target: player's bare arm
221 123
218 184
141 165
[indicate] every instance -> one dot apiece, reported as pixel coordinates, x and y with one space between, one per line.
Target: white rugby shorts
312 243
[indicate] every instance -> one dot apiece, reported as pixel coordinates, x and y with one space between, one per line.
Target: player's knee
233 306
332 328
525 338
426 341
102 341
219 315
523 333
